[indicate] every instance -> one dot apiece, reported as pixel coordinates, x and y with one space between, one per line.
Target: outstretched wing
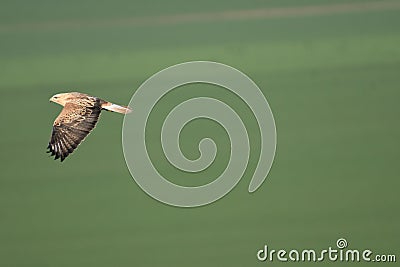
71 127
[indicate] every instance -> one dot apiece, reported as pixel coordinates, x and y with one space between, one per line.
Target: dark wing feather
71 127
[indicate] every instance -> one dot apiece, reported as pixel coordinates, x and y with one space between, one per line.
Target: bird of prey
76 120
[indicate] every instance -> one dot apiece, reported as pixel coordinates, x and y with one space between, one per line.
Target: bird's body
77 119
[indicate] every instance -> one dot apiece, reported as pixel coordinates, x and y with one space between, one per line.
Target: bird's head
61 98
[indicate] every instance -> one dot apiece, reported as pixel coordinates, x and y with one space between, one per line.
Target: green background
331 80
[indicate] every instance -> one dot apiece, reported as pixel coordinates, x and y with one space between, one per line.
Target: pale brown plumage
77 119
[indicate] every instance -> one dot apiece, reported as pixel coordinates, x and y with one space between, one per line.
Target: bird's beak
51 99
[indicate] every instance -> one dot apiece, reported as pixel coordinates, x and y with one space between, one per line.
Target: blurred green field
331 80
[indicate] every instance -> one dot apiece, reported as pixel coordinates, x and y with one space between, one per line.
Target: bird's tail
116 108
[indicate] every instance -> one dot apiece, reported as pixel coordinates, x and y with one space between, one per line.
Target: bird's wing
71 127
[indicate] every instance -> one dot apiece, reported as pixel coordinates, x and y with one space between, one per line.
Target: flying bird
76 120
